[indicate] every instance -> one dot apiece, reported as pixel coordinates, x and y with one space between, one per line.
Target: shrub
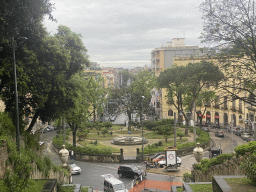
249 166
245 148
186 145
104 132
207 163
203 137
107 124
188 178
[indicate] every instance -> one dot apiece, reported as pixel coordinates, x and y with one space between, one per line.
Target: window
170 113
225 102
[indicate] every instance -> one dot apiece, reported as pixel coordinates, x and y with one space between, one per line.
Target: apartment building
163 58
221 111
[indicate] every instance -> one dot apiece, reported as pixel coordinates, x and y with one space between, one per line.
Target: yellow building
219 111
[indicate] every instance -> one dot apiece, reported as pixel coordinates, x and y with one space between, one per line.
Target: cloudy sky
122 33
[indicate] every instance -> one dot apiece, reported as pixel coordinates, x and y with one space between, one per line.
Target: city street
225 143
91 172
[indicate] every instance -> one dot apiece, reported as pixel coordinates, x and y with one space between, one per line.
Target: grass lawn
34 186
126 132
201 187
241 184
95 136
87 143
154 149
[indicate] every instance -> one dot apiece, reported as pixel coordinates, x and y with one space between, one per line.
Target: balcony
216 106
233 109
251 108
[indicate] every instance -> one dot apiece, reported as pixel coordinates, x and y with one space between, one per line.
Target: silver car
75 169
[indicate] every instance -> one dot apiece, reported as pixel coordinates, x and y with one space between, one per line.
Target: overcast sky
122 33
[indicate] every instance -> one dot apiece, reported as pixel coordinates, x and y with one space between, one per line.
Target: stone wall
93 158
3 156
60 176
36 174
229 167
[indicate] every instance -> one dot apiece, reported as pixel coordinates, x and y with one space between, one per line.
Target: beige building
163 58
219 111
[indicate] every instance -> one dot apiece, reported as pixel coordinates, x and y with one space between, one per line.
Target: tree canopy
185 84
132 97
230 26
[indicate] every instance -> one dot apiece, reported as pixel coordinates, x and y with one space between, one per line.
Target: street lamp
14 46
143 97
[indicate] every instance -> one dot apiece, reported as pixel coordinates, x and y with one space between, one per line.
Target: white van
112 184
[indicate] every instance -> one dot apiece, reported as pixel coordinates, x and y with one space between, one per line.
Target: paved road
225 143
91 172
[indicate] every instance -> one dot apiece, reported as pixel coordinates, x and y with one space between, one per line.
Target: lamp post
142 128
14 45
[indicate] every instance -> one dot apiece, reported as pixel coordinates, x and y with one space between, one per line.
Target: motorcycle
150 165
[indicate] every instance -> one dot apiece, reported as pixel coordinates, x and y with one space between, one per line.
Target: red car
159 158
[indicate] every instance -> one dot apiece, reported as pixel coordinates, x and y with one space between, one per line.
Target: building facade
224 111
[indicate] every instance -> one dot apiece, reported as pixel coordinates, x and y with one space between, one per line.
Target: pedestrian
69 154
72 154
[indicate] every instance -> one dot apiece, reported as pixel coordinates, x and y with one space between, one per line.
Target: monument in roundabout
129 140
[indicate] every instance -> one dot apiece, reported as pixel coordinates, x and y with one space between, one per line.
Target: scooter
150 165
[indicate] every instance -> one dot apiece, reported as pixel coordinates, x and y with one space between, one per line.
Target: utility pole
142 128
174 130
64 131
16 96
194 130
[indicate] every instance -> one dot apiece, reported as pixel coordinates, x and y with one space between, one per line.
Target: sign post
171 157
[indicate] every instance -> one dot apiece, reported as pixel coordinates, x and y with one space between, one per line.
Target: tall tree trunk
130 120
36 115
74 135
94 114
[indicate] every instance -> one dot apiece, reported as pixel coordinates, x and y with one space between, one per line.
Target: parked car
245 136
75 169
155 155
41 143
251 139
207 129
50 128
45 130
217 126
130 171
238 132
162 163
159 158
219 134
214 152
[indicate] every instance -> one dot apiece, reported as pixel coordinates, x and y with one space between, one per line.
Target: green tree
79 113
130 97
18 17
97 95
104 132
184 85
166 130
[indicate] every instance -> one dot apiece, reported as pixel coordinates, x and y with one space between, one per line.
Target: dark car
219 134
217 126
238 132
130 171
214 152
